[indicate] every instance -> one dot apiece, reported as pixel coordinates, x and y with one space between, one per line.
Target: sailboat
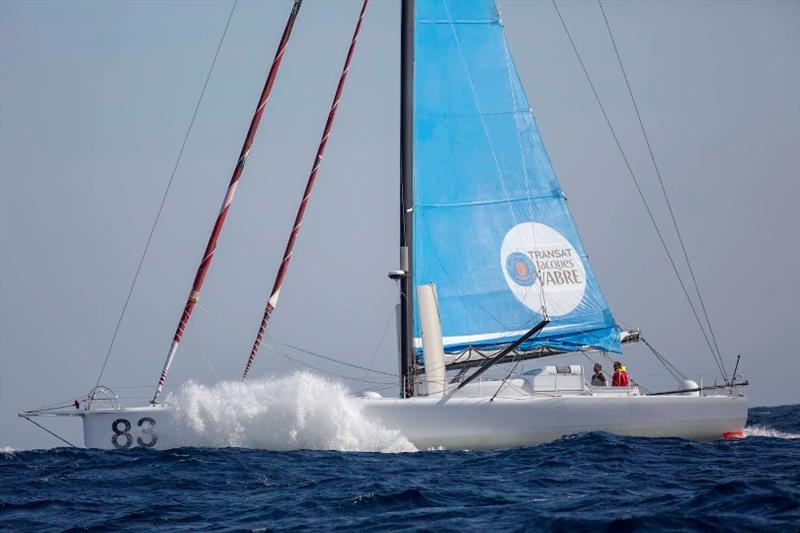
492 271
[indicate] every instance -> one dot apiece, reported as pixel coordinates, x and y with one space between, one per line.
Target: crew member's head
597 368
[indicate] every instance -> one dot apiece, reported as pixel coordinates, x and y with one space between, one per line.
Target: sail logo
542 269
521 269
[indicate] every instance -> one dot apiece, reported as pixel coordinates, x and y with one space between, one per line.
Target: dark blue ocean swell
582 482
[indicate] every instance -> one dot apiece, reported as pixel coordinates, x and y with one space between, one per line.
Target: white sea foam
7 449
299 411
763 431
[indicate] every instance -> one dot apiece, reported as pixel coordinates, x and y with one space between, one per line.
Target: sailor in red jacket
620 378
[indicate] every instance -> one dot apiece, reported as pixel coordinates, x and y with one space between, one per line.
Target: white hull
472 422
477 423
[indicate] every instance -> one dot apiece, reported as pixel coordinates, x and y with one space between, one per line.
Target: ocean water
591 481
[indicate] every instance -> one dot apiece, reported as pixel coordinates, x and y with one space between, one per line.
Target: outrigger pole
505 351
301 210
211 247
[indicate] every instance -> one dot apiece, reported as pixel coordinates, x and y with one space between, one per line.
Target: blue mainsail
491 224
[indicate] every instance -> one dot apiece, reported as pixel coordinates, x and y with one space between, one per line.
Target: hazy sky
95 99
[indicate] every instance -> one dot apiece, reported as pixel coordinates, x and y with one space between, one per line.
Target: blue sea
582 482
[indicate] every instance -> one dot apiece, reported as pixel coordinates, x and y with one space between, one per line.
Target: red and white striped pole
287 254
211 247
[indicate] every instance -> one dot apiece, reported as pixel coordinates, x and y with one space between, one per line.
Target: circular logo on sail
521 269
542 269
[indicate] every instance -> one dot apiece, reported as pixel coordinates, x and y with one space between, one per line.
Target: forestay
491 225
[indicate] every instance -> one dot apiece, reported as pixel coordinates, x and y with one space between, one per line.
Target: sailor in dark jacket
598 378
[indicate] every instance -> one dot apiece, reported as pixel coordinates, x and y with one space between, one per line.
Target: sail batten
491 225
525 199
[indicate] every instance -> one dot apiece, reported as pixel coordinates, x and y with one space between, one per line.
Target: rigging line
328 358
295 360
660 180
505 379
383 335
277 341
221 320
639 189
54 406
48 431
672 369
586 354
208 362
140 386
166 193
379 389
516 362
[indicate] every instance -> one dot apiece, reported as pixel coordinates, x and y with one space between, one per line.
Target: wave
295 412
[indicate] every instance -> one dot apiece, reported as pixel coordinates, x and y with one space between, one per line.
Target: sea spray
294 412
764 431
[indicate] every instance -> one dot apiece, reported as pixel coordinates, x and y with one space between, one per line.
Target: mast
407 352
301 210
208 255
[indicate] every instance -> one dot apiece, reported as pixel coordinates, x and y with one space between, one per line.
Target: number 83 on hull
126 428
